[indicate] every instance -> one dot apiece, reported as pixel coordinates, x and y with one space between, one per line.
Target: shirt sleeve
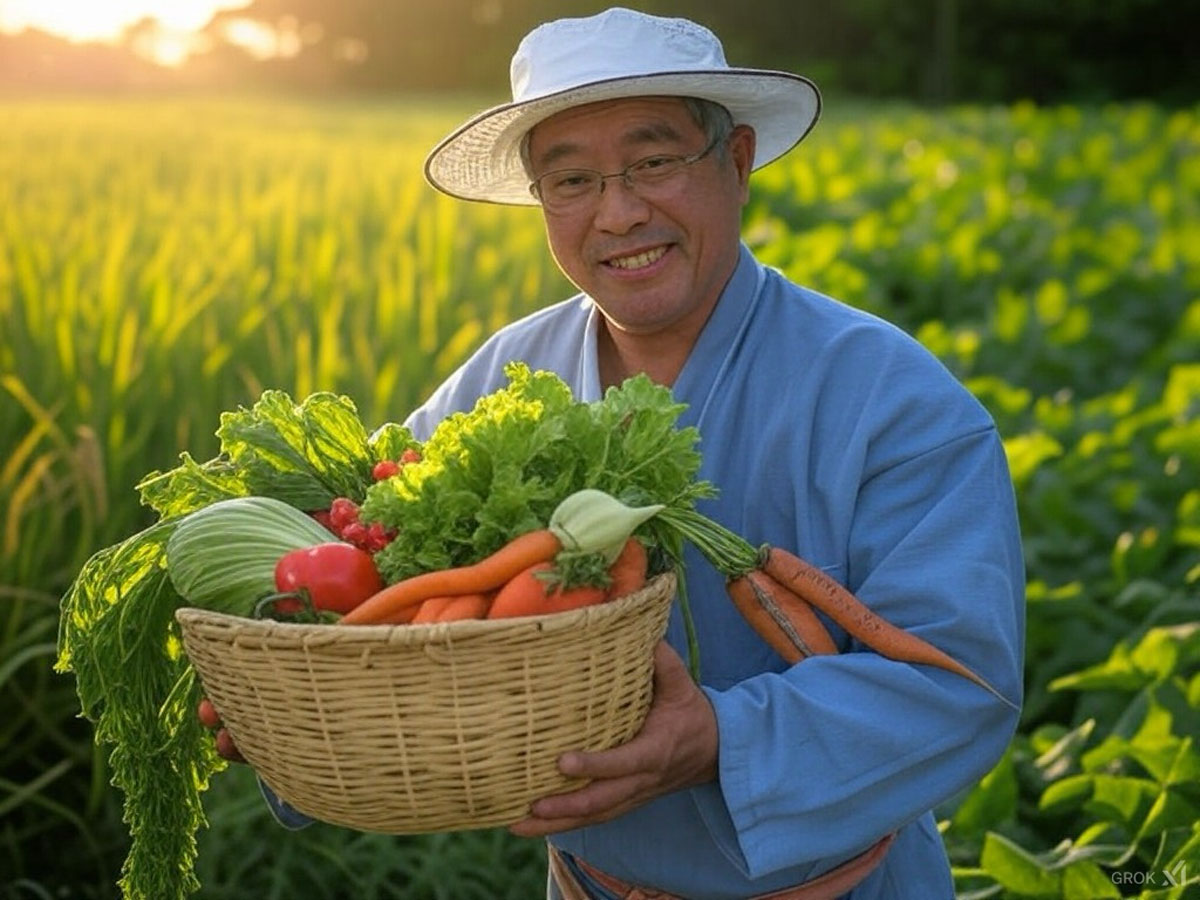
281 811
869 744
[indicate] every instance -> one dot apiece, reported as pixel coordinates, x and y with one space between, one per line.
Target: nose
619 209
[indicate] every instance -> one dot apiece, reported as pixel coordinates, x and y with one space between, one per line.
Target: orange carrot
782 619
395 600
828 596
452 608
428 610
628 570
528 593
466 606
754 610
798 617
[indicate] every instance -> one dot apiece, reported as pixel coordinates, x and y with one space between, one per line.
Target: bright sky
86 20
104 20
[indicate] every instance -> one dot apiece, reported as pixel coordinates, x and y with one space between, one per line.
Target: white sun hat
617 53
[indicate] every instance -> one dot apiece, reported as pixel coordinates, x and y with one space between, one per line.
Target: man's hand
676 748
211 719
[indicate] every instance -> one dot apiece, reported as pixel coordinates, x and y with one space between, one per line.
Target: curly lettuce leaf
500 469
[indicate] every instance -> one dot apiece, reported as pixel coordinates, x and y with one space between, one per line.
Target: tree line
930 51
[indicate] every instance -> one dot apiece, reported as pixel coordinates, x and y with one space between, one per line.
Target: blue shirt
833 434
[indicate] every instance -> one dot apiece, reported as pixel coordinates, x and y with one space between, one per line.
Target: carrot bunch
779 594
519 579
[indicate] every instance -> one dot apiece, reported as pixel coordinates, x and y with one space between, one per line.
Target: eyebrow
640 136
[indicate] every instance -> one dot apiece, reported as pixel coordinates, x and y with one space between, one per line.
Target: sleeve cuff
290 818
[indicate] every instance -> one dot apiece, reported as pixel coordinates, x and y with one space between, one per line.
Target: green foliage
325 862
501 468
1050 256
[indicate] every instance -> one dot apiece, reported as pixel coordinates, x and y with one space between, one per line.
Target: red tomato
337 576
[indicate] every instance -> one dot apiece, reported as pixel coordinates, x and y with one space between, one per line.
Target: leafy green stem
729 554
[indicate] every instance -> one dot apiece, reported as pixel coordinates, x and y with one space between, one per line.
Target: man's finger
627 759
591 800
578 808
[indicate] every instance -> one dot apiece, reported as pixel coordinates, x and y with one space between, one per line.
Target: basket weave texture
421 728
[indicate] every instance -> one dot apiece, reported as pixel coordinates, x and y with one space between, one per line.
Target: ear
742 142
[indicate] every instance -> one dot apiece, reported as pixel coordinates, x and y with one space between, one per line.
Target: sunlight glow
89 20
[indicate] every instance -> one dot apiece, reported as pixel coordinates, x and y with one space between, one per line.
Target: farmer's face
655 262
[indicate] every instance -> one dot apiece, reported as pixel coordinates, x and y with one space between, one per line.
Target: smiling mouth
638 260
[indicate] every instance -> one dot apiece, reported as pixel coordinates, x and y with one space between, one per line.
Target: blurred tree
933 51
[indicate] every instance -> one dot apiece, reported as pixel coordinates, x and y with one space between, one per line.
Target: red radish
207 714
385 469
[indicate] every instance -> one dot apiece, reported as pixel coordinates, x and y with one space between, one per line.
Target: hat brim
481 160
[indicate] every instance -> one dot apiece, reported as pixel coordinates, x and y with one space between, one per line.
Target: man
827 431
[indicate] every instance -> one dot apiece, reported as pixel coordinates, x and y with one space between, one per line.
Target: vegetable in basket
224 556
540 589
484 478
588 522
331 576
118 616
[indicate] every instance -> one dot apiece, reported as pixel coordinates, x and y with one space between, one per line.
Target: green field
164 260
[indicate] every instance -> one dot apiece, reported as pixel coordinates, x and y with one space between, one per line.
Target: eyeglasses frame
624 174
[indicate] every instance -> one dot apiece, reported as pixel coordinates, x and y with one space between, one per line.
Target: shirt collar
715 342
719 338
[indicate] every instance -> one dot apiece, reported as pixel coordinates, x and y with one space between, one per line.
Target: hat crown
617 43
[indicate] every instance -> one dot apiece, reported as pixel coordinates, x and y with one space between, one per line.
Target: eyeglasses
570 190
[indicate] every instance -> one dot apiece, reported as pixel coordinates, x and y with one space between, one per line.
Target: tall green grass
163 260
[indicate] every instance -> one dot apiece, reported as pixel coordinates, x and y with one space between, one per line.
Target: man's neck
621 354
660 354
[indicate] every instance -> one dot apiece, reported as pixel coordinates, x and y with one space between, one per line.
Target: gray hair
713 118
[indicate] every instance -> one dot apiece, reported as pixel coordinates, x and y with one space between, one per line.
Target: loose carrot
794 617
488 574
782 619
628 571
828 596
529 593
754 609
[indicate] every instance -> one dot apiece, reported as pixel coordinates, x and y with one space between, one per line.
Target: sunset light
87 20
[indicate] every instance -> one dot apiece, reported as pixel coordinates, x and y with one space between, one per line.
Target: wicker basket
422 728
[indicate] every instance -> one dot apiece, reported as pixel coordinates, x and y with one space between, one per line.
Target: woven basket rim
303 632
471 716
